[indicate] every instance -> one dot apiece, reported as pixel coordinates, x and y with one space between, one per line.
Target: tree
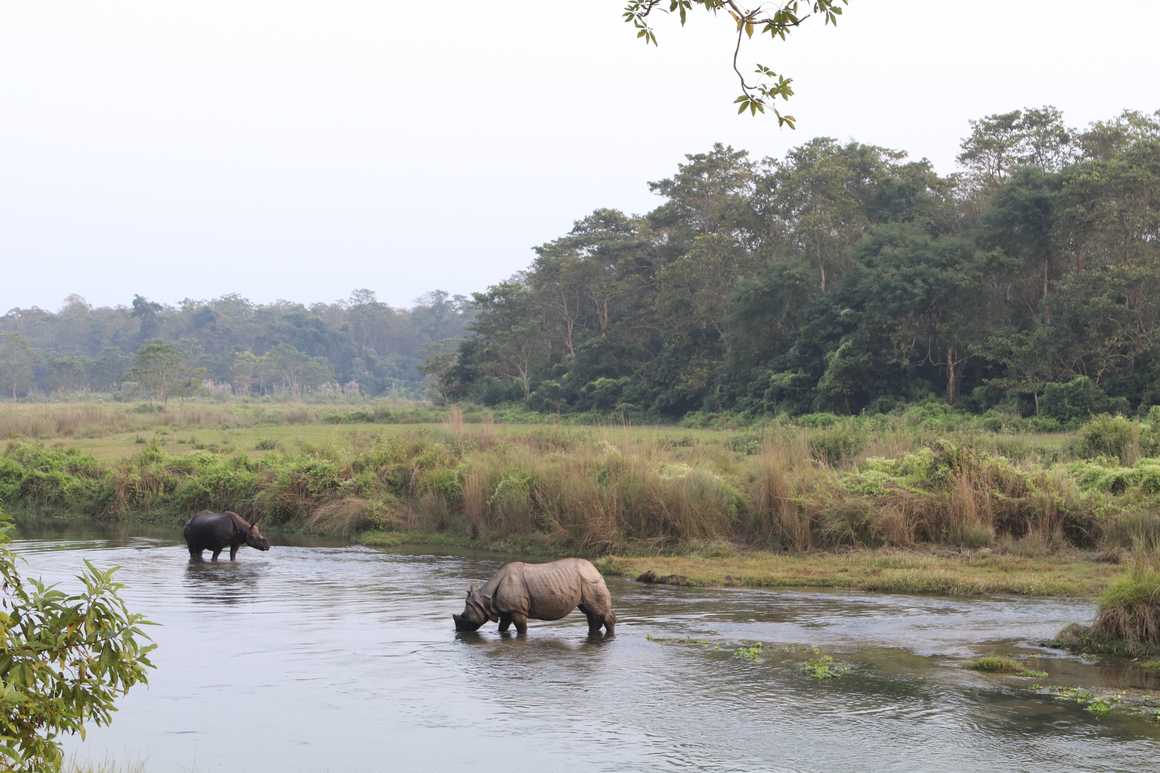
147 313
297 372
1001 143
16 365
926 297
245 373
816 201
65 658
510 323
162 369
764 87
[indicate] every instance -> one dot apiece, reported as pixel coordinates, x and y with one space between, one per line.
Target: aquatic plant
997 664
1099 706
750 652
823 667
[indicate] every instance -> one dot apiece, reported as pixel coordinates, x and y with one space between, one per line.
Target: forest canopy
847 277
842 277
230 345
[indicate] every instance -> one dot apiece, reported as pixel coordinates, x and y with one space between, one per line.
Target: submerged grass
997 664
822 667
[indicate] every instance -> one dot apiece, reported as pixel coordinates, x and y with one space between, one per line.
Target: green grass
996 664
890 571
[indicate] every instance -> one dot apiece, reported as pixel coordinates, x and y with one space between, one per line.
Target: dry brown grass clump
1130 611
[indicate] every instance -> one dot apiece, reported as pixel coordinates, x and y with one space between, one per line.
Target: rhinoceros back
209 531
552 590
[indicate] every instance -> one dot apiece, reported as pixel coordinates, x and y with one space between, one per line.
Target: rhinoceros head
476 612
254 537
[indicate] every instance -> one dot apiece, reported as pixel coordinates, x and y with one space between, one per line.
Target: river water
316 658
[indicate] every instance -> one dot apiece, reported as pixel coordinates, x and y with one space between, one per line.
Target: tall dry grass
786 488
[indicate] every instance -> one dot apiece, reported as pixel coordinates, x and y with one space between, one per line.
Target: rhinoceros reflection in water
519 592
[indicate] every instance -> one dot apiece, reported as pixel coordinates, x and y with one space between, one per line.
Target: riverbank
877 503
886 570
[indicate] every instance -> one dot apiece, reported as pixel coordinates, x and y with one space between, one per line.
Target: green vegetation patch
823 667
995 664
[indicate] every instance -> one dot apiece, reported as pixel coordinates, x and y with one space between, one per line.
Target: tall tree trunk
1046 305
952 376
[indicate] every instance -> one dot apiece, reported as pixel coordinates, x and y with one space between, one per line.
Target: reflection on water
230 582
345 659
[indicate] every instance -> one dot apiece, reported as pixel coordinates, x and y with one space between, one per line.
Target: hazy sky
299 150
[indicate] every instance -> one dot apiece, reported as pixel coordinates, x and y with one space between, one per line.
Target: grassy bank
886 570
817 483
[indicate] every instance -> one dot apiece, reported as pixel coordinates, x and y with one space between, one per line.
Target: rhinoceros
520 591
216 531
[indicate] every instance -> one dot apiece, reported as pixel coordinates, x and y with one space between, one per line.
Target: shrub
1112 436
66 659
1076 400
836 444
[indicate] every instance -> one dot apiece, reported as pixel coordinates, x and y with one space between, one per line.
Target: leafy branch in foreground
64 660
776 21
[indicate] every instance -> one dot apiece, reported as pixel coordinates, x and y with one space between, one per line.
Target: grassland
927 501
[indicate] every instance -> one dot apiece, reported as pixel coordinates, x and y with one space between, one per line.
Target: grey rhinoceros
217 531
520 591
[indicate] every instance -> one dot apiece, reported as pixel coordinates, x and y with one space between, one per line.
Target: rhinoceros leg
595 621
505 622
521 622
217 553
234 552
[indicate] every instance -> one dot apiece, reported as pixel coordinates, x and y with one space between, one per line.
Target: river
316 658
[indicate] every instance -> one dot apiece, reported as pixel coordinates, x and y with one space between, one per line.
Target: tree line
848 277
228 344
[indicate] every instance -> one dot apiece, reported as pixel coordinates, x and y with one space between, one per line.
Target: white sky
298 150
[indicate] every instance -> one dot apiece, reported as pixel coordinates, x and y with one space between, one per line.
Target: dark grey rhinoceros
520 591
217 531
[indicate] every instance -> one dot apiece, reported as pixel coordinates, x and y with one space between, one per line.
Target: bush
1077 399
1110 436
837 443
66 660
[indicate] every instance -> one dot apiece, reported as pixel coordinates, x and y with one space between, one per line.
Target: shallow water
344 659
